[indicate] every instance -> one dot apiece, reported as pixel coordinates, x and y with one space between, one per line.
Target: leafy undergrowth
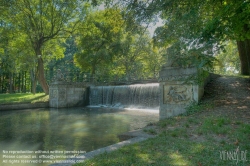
23 98
215 132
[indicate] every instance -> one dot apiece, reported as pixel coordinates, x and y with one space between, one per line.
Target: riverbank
23 101
206 135
19 106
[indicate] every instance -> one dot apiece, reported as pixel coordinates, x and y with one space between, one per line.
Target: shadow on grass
22 98
201 143
37 99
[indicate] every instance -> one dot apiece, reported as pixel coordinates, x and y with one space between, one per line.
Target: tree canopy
108 42
41 21
205 22
109 39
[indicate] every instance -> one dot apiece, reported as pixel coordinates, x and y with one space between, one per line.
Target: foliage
40 23
107 42
98 43
135 57
203 22
229 62
66 64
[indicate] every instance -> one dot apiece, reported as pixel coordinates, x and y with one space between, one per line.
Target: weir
140 96
177 89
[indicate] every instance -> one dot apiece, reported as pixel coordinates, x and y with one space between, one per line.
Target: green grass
23 98
150 131
184 140
197 138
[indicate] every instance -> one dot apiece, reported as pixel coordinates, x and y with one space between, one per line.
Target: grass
193 139
150 131
23 98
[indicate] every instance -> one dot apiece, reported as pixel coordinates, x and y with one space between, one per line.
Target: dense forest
110 40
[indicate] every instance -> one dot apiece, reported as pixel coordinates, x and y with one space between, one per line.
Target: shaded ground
226 103
229 96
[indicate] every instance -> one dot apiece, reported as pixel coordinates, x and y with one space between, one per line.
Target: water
79 129
142 96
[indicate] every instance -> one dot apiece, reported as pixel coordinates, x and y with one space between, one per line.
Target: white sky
151 27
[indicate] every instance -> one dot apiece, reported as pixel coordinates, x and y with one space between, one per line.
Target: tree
137 57
204 21
66 64
229 62
231 21
99 40
42 21
112 46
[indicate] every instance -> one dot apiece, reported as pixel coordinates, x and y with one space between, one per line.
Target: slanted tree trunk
40 70
244 54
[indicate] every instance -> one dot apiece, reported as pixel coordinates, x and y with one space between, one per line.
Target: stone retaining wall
179 88
65 94
24 106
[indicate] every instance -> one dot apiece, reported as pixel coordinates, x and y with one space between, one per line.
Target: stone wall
20 106
64 94
178 89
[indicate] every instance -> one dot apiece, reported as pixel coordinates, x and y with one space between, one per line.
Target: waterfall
142 96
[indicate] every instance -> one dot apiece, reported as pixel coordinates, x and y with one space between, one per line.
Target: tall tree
99 39
42 21
207 21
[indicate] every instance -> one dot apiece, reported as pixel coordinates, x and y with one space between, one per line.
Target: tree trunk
33 89
41 76
11 83
40 70
1 84
33 81
14 83
25 82
22 75
92 79
244 54
19 82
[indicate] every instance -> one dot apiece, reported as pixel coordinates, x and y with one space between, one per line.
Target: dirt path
230 96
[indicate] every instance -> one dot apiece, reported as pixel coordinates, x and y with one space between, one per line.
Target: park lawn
23 98
196 139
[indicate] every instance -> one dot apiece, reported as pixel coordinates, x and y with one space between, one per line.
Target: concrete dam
139 96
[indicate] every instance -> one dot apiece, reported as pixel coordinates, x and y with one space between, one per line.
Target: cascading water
142 96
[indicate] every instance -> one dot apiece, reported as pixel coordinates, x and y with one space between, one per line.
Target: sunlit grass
176 144
23 98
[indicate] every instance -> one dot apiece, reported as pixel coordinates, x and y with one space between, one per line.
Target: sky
151 27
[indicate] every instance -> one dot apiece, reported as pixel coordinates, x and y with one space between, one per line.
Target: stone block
63 94
178 89
70 91
177 94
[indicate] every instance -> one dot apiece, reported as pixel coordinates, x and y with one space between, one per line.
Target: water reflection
82 129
